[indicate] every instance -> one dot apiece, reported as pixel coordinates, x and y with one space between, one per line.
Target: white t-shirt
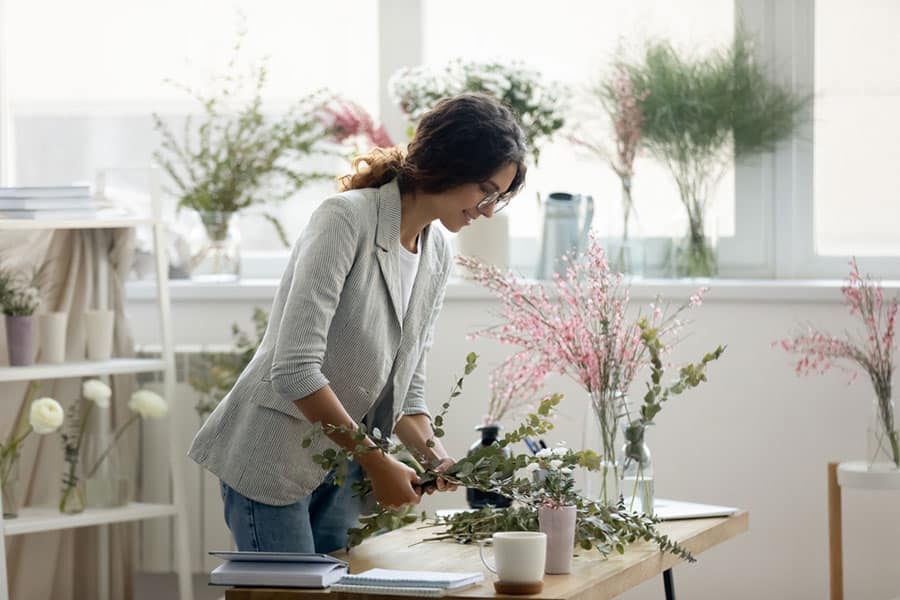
409 266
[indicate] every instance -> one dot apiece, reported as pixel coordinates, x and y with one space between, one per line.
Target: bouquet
872 352
537 104
582 329
605 528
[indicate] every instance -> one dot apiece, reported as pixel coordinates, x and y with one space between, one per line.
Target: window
856 179
82 84
574 43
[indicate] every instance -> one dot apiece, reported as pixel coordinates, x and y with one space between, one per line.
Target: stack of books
55 202
277 569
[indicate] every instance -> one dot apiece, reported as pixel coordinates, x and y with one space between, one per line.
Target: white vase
99 327
53 337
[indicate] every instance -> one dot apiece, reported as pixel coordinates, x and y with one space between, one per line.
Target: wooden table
592 578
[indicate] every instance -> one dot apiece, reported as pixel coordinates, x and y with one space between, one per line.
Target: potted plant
239 156
698 116
19 299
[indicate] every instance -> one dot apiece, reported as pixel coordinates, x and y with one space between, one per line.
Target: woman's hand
392 481
442 484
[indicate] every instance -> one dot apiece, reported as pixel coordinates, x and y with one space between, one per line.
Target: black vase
475 497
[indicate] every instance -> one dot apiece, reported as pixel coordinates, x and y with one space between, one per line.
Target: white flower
532 467
46 415
555 464
560 451
544 453
148 404
97 391
566 470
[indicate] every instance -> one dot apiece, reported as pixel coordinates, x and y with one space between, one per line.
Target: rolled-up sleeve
322 259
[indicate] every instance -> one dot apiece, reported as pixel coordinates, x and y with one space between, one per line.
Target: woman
349 330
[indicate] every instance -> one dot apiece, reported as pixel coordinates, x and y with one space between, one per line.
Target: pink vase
559 525
20 340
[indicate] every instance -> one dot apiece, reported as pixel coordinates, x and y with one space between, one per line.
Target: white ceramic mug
53 337
520 556
99 325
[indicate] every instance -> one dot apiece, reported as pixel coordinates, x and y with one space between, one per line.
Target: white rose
532 467
555 464
46 415
544 453
148 404
97 391
560 451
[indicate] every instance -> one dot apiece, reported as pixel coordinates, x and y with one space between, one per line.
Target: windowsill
721 290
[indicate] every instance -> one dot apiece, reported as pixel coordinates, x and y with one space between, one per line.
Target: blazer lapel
423 285
387 240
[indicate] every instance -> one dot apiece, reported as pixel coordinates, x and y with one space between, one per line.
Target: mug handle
481 546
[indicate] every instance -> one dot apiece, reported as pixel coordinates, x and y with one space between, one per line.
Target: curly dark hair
463 139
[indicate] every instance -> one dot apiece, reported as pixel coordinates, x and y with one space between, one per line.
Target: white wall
755 436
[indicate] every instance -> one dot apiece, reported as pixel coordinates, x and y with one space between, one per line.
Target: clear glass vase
625 246
882 442
72 498
696 253
599 434
637 470
9 487
105 480
218 259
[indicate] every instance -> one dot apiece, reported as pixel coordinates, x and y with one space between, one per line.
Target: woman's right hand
392 481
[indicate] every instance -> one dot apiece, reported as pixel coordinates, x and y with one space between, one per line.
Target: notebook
673 510
412 583
277 569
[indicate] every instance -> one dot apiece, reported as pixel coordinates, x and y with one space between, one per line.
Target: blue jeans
317 523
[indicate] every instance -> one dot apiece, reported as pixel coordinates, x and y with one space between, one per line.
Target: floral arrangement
20 294
623 106
348 123
582 330
872 352
240 156
513 387
698 116
144 403
605 528
45 416
537 104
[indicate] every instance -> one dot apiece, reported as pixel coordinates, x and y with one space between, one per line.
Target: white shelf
84 368
34 519
856 474
99 222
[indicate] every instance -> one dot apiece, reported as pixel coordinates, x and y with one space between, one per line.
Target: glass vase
882 446
478 498
599 434
72 498
696 253
105 480
218 258
625 247
9 488
637 470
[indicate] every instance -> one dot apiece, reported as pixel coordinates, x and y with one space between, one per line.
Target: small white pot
53 337
99 326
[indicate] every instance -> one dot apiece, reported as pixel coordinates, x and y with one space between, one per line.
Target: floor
156 586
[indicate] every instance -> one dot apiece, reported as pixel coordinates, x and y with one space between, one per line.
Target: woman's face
457 207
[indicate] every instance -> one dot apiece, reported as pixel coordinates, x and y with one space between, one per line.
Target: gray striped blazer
335 320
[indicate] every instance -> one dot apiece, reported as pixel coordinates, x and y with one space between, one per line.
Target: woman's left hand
442 484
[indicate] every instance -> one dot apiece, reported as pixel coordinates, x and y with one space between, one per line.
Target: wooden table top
592 577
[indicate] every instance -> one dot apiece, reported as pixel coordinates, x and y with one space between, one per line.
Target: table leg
669 584
835 535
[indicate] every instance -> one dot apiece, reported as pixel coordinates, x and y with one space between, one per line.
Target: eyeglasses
496 199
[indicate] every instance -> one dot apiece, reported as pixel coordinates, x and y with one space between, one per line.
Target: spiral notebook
406 583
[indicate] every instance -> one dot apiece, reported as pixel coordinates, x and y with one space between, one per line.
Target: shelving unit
41 519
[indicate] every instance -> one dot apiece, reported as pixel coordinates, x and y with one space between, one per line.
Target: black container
477 498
